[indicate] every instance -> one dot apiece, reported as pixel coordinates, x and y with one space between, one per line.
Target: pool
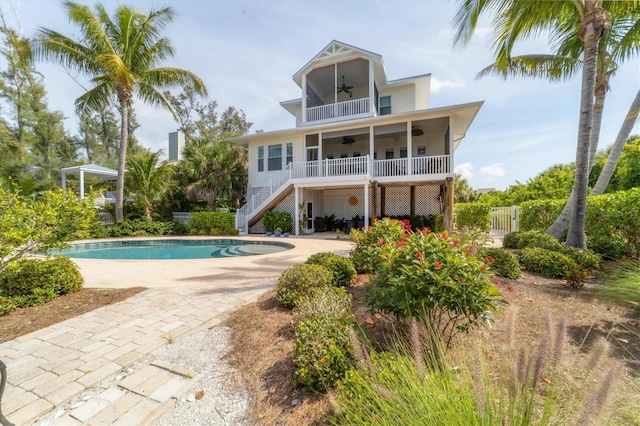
171 249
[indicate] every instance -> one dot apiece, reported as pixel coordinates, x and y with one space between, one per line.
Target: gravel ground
225 397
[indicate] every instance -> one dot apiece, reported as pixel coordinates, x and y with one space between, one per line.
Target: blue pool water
171 249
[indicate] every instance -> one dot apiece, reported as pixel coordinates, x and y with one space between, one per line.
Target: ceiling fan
344 88
417 131
347 140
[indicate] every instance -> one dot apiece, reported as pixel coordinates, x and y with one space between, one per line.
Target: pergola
92 170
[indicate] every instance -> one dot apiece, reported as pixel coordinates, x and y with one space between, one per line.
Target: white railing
385 168
431 165
340 167
346 166
340 109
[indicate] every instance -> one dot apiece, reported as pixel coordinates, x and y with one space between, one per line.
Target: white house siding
402 98
259 179
422 89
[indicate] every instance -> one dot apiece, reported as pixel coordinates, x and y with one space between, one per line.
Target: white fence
504 220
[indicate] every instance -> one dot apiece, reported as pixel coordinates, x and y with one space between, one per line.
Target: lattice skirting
347 203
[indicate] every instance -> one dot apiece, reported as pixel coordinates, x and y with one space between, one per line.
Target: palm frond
548 67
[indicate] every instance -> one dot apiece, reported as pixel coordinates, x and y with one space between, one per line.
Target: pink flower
380 241
511 289
438 265
488 259
421 257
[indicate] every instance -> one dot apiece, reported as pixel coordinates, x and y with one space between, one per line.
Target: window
344 155
422 151
261 158
289 153
275 158
356 153
388 154
329 156
403 153
385 105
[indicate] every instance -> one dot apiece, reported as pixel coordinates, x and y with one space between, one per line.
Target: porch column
409 148
366 205
81 184
304 98
371 153
296 211
374 202
371 91
448 204
412 200
320 162
451 136
64 180
383 200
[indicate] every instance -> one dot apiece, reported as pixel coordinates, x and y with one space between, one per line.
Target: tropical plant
122 56
344 273
214 171
367 254
298 280
586 20
148 179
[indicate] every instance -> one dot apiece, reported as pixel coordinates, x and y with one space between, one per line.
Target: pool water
171 249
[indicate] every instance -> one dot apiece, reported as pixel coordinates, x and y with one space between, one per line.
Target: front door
310 216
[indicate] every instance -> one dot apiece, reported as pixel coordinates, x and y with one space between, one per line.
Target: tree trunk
618 146
122 157
590 34
562 222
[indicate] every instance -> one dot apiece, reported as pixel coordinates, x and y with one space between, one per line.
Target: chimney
176 145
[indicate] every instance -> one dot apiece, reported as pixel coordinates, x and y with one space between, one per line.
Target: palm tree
148 179
121 55
587 20
215 171
618 44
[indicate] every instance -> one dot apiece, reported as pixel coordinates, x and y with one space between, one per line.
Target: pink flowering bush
435 278
370 244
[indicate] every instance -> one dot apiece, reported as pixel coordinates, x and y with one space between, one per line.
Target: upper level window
275 158
289 152
385 105
261 158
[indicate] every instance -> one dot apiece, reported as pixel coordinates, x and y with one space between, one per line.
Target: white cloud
437 84
493 171
465 170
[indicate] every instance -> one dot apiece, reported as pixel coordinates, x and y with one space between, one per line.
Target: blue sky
247 52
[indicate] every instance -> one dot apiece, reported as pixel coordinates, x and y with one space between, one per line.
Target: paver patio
48 367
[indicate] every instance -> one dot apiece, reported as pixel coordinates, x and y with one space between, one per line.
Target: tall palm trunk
558 228
124 97
618 146
591 29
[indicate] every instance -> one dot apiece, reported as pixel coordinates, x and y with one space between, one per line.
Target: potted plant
278 232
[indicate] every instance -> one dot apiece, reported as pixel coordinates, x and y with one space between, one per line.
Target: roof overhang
462 117
92 170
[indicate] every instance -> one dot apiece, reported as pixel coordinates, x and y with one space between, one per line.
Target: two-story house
362 146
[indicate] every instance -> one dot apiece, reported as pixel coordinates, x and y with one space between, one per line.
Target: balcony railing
352 166
338 110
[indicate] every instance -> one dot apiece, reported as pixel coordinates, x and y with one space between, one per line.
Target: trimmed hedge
213 223
344 273
539 215
473 215
297 280
32 282
522 239
503 263
548 263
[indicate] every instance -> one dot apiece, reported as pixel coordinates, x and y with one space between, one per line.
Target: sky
247 52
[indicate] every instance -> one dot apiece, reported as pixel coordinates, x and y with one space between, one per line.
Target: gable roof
337 51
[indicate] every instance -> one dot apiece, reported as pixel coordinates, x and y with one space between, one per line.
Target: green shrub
585 258
32 282
277 220
473 215
366 256
344 273
177 228
98 229
613 225
538 239
435 278
576 276
539 214
297 280
549 263
333 302
137 227
213 223
502 262
511 240
322 352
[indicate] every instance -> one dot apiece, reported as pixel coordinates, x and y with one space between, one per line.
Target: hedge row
213 223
